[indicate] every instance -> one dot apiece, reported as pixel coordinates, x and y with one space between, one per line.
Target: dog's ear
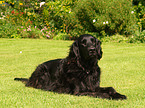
99 49
75 48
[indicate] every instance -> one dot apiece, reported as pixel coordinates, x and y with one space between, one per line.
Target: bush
61 36
106 17
67 19
139 10
51 15
138 37
56 16
115 38
7 30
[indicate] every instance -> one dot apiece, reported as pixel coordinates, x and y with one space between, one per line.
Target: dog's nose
92 49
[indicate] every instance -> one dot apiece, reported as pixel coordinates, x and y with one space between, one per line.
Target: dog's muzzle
92 51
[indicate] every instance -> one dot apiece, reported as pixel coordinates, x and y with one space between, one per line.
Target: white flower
42 3
132 12
94 20
20 52
104 23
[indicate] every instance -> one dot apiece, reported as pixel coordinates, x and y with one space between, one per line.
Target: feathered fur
77 74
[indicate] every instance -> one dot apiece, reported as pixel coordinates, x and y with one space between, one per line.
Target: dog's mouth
92 53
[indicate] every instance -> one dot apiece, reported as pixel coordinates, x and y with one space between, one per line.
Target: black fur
77 74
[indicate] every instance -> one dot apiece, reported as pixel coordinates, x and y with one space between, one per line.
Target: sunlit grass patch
122 67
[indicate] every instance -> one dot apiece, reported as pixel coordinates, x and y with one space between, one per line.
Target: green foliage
136 2
50 15
106 17
59 18
137 37
6 30
54 15
139 10
115 38
61 36
18 24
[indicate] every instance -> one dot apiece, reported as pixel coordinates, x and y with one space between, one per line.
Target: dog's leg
109 93
106 93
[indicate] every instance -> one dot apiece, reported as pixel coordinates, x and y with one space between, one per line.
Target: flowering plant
67 19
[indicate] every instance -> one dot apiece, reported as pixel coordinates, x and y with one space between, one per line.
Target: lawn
123 67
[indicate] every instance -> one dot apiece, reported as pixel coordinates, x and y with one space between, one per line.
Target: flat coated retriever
77 74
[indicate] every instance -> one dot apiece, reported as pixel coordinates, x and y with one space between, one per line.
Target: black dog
77 74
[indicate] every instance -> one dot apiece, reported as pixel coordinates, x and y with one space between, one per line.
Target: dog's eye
84 42
93 40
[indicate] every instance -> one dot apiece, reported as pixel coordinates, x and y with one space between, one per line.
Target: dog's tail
25 80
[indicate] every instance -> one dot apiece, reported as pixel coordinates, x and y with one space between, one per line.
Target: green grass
123 67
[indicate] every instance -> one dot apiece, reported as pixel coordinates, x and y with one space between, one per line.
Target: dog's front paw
118 96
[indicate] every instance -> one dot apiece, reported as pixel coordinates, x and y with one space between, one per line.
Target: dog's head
87 47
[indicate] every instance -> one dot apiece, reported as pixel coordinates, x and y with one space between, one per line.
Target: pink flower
28 29
45 28
42 30
48 36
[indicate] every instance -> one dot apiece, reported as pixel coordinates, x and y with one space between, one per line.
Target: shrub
7 30
106 17
67 19
55 15
61 36
115 38
139 10
29 32
138 37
